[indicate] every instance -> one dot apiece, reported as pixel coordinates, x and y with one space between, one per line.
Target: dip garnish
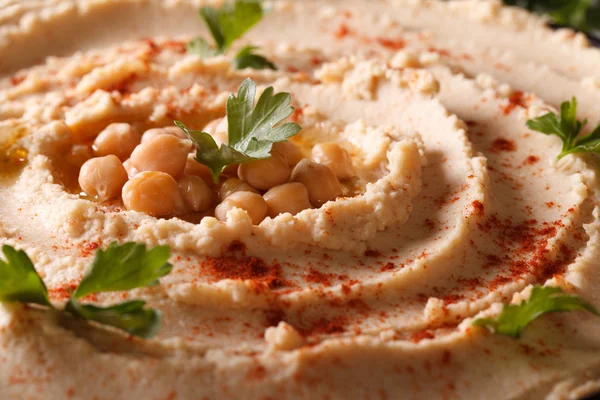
226 25
251 132
567 127
246 58
577 14
119 267
515 318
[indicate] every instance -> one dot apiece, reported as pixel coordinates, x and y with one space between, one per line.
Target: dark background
583 15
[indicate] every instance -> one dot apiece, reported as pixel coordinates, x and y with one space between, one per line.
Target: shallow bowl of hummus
287 199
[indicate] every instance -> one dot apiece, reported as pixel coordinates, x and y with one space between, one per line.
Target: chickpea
231 171
335 157
265 174
287 198
175 131
152 133
320 181
102 177
154 193
167 130
289 151
164 153
252 203
215 125
218 129
118 139
131 170
79 154
193 167
233 185
196 194
220 138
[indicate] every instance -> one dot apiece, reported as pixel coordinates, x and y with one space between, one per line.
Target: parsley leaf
130 316
572 13
119 267
124 267
245 58
567 127
252 132
200 47
208 153
19 281
578 14
226 25
515 318
230 22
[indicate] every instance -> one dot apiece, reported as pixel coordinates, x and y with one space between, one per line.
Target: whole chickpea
335 157
220 138
131 170
252 203
287 198
79 154
119 139
193 167
163 153
289 151
233 185
102 177
151 134
196 194
175 131
218 128
167 130
321 183
265 174
231 171
154 193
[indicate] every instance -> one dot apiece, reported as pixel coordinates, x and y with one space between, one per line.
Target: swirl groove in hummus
460 206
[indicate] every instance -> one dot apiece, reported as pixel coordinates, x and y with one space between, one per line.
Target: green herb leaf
130 316
200 47
515 318
567 127
578 14
124 267
211 17
120 267
19 281
245 58
209 154
572 13
230 22
226 25
252 132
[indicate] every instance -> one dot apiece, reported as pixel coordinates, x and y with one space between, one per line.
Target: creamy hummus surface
455 207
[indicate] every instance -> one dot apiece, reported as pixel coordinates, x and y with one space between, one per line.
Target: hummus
456 207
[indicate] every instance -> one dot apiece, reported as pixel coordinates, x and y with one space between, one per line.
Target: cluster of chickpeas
156 173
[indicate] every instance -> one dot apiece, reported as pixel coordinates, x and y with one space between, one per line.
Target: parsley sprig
226 25
567 127
119 267
515 318
19 281
251 132
247 58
